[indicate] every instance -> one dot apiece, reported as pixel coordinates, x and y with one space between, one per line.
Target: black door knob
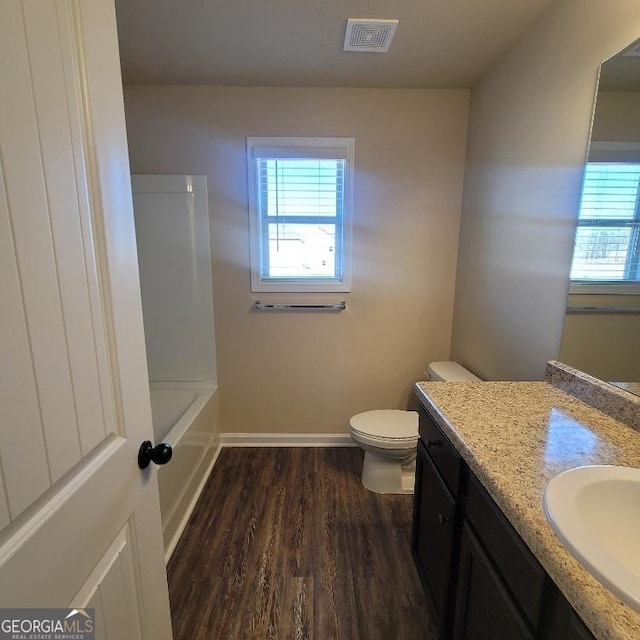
160 454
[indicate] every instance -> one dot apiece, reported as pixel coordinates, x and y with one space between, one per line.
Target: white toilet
389 438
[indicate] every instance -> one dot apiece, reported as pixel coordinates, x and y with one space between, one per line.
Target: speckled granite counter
515 436
631 387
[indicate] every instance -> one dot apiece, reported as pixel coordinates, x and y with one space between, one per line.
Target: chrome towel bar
262 306
602 309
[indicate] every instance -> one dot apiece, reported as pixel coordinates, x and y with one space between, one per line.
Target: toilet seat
386 428
384 443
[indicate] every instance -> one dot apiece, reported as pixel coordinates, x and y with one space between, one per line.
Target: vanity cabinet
484 608
482 579
563 623
501 585
437 518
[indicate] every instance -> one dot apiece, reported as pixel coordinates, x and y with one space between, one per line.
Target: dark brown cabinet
482 579
575 629
434 534
437 518
521 573
562 622
484 608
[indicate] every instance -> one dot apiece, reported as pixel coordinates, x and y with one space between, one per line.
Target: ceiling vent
369 35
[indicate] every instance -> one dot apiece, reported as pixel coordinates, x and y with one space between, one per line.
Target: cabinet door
577 630
519 570
433 534
484 608
561 622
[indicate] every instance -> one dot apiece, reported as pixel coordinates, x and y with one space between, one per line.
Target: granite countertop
631 387
515 436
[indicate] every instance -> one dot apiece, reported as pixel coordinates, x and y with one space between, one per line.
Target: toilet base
384 475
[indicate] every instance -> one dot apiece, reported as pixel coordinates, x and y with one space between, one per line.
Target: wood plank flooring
287 543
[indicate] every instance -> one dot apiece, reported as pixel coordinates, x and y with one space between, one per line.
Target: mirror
601 333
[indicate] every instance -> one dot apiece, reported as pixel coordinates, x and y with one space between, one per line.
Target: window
607 249
300 198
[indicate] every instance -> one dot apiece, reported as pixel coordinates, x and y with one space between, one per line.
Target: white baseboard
286 440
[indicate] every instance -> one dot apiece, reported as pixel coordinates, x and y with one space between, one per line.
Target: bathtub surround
191 431
174 257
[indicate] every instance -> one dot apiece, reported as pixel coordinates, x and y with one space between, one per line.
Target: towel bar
263 306
602 309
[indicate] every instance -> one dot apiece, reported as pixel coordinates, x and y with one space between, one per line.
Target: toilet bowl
389 438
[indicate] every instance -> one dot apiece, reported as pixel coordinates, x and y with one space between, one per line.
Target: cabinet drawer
445 458
521 572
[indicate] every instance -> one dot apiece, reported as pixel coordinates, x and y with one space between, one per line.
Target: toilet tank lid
450 371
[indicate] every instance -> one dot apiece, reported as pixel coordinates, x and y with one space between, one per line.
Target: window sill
605 288
289 286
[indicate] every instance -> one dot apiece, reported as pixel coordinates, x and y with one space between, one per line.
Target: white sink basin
595 511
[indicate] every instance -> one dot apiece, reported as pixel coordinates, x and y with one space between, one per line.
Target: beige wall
606 345
528 130
617 117
307 372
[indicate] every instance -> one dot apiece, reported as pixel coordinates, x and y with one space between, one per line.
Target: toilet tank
450 372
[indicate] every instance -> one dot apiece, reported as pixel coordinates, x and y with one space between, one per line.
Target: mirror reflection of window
601 333
606 246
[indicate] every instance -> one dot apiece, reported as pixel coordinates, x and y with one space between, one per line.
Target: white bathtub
186 416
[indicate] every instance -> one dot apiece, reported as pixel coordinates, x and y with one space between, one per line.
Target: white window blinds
300 213
301 205
606 247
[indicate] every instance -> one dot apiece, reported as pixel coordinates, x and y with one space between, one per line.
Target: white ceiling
438 43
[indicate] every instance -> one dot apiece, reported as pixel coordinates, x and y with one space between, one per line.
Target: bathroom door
79 522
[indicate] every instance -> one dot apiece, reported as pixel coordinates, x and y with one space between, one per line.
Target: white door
79 522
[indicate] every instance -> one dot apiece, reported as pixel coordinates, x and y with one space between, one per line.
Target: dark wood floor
287 543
